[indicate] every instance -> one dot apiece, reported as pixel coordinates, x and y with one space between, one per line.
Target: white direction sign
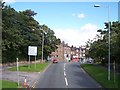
32 50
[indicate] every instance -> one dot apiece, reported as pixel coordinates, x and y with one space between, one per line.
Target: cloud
77 37
88 28
68 35
79 15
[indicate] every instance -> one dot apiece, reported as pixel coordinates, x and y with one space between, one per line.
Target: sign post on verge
32 51
18 70
35 62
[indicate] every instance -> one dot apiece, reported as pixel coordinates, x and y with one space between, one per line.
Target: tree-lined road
65 75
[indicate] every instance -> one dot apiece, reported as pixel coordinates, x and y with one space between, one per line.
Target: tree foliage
98 49
20 30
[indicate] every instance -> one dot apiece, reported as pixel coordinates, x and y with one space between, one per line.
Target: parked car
55 61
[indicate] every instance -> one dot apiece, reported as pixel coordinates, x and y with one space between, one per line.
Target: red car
55 61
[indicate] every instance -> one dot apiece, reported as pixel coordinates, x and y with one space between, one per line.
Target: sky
72 22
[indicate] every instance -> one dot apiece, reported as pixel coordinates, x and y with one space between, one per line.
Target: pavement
13 76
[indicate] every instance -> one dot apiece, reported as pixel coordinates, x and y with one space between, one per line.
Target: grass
0 84
100 75
26 68
8 84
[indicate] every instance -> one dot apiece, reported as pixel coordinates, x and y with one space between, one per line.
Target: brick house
59 52
64 52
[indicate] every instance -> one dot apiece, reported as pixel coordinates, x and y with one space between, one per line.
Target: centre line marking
64 73
64 69
66 82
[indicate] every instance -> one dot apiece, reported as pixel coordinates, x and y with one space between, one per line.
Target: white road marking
33 86
64 69
66 82
64 73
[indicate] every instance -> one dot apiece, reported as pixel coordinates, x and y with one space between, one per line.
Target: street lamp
96 5
43 43
43 32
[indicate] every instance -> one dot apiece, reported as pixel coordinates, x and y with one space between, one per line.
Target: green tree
21 30
98 49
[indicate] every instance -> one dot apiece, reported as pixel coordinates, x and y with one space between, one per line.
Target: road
65 75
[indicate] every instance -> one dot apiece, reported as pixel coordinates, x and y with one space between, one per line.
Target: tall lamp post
108 40
42 43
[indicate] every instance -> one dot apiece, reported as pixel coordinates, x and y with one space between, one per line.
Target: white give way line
66 81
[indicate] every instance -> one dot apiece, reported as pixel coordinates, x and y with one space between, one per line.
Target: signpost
32 51
18 70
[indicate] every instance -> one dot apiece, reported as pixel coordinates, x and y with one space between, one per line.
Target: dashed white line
64 69
66 82
64 73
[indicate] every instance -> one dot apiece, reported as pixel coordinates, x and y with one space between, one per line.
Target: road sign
32 50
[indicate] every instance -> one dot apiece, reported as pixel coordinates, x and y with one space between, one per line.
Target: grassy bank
8 84
31 68
100 75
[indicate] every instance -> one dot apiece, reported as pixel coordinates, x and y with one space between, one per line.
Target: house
66 52
59 52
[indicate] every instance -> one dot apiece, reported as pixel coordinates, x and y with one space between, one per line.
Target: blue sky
73 22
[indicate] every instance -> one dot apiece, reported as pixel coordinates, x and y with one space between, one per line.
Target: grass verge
8 84
100 75
31 68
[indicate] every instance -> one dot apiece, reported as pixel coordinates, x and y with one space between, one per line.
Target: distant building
59 52
66 52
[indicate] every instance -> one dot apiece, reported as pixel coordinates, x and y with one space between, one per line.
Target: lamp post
43 43
96 5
